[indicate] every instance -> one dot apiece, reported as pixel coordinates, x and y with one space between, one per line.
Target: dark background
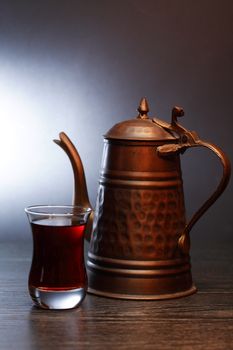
82 66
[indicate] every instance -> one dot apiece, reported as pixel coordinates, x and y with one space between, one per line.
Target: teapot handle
190 139
184 241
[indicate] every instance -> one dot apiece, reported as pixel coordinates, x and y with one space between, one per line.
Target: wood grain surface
200 321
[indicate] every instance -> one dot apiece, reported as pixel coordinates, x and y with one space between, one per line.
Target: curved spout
80 196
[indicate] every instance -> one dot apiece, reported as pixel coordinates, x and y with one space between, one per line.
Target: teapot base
176 295
138 279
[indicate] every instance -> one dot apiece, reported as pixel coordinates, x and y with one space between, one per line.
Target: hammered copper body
139 246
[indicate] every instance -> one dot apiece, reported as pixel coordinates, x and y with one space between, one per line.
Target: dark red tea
58 257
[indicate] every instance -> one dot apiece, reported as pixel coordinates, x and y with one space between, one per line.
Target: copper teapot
139 240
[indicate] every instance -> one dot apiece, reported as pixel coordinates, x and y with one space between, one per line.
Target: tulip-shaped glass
57 278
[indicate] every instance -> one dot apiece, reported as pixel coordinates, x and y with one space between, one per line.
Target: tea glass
57 278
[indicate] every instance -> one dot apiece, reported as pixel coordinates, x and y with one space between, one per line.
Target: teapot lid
140 128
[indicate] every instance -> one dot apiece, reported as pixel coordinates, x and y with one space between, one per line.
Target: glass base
57 299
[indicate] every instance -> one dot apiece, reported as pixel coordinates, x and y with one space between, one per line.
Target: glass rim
33 210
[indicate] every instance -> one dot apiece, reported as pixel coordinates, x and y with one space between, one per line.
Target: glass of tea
57 278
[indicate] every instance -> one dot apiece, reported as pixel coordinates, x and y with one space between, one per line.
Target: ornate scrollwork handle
190 139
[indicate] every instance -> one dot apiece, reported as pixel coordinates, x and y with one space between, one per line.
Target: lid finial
143 109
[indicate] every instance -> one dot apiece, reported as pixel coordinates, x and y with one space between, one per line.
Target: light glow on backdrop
34 108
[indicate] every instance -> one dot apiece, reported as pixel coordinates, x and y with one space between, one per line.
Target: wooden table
200 321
